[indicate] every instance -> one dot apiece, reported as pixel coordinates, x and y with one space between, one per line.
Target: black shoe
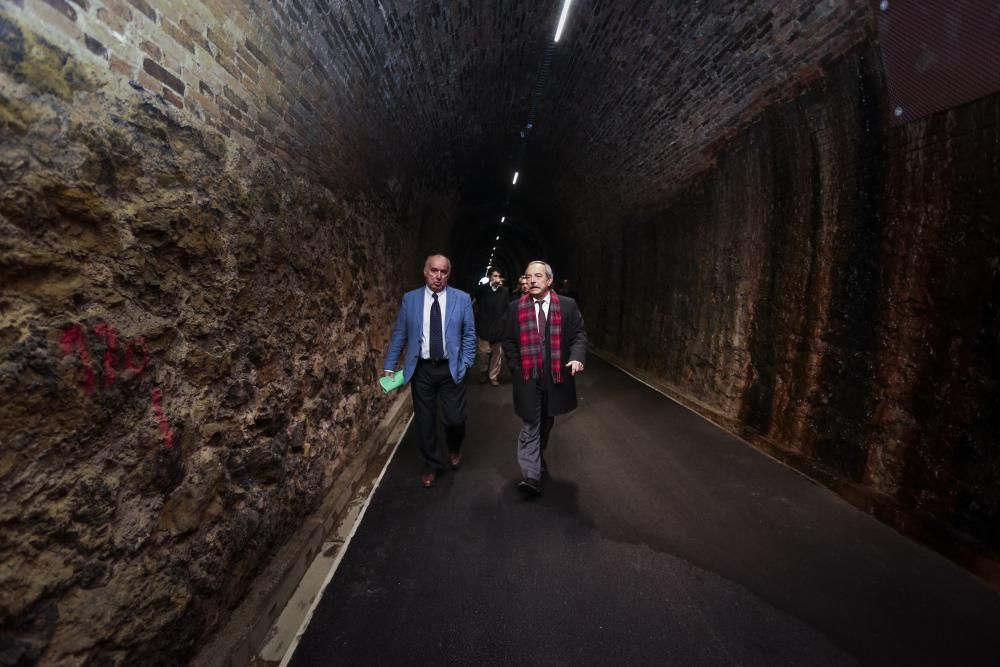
532 487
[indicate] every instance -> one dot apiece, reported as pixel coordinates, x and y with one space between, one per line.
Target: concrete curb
246 631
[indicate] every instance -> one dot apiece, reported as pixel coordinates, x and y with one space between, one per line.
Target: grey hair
437 254
548 269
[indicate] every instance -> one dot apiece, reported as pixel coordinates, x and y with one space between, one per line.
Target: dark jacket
491 307
562 396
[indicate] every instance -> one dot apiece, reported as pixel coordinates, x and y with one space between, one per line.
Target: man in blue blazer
436 326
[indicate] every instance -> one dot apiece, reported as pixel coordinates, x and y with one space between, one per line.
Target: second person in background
490 306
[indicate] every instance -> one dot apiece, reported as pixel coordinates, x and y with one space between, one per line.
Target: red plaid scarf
532 354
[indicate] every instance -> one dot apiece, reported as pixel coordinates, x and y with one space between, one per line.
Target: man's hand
574 367
386 373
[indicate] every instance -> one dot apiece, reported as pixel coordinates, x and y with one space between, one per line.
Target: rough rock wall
185 357
830 292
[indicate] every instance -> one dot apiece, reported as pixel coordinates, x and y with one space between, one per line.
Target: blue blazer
459 333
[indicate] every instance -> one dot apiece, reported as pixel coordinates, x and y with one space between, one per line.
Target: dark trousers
432 383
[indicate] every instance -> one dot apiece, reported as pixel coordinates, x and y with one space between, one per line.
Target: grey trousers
534 438
492 356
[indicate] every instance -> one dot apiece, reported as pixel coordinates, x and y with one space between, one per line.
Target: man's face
522 285
538 282
495 279
436 272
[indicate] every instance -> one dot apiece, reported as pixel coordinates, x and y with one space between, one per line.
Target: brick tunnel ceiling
639 96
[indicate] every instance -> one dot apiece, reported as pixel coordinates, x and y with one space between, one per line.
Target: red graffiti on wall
75 340
111 337
161 418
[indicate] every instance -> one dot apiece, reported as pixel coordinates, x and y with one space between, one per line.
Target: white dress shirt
425 335
545 308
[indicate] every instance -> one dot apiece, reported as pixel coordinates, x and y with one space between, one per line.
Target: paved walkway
660 540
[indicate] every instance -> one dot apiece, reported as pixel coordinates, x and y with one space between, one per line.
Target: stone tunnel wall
190 323
829 291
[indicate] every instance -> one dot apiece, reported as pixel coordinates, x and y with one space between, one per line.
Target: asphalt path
660 540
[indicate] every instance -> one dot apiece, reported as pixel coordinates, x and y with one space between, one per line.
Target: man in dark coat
545 345
491 307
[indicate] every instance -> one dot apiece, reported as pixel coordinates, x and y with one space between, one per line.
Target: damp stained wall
828 290
194 191
193 311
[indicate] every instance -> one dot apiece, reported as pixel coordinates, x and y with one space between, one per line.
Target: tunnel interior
211 209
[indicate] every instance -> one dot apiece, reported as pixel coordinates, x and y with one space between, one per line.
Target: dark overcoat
562 396
491 307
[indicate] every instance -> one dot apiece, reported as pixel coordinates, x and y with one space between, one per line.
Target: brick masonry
717 178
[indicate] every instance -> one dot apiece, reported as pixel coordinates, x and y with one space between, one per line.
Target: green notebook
390 382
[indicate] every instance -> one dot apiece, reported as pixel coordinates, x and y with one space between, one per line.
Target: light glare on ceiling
562 19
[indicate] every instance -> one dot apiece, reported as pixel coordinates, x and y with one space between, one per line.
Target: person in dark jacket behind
545 345
491 307
522 288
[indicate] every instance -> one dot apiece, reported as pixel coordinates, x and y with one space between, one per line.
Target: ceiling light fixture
515 179
562 19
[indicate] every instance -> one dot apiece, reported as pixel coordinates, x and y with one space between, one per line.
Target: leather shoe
532 487
495 383
455 458
427 479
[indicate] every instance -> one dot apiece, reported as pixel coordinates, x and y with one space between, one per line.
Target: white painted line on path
340 554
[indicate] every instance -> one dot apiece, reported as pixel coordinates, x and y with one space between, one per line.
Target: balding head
437 268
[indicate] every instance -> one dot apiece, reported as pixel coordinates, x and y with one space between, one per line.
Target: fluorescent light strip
515 179
562 19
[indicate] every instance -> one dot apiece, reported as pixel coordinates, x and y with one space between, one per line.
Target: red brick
95 46
256 52
220 126
219 39
151 49
113 19
117 8
149 83
235 99
228 65
195 35
206 103
119 66
62 7
163 75
248 71
177 34
144 7
171 97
